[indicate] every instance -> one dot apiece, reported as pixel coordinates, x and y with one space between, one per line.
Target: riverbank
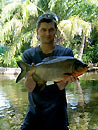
9 72
93 69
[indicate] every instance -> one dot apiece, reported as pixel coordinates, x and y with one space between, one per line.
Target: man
47 108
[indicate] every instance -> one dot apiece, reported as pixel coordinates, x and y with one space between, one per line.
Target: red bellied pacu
53 68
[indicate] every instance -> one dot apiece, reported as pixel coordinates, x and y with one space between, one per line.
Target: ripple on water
72 100
4 103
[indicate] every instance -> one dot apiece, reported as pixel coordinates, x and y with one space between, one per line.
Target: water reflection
82 103
13 104
85 116
4 102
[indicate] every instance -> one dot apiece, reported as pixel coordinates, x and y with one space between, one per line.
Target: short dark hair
47 17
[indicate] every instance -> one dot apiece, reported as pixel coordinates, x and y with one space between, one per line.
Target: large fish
53 69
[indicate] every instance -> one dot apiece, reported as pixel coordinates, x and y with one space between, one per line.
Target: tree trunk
81 98
80 92
82 46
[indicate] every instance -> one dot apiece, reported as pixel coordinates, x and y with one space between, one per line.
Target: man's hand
63 83
29 82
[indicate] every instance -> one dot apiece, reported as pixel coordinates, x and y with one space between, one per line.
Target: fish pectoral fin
39 81
49 58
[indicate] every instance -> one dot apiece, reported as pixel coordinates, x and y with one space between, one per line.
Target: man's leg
29 121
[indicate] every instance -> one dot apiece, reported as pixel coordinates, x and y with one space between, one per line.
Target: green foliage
94 54
29 10
10 31
43 5
87 11
94 38
18 23
11 10
2 49
16 31
91 51
14 52
91 54
73 27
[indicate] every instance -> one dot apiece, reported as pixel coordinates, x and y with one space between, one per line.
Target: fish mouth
80 72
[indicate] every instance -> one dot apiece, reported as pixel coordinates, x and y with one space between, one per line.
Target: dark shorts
32 122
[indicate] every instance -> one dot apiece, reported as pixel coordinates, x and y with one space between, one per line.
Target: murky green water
82 103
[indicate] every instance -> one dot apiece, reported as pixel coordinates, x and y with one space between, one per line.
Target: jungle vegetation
77 27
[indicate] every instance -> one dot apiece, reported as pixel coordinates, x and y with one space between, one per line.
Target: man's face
46 32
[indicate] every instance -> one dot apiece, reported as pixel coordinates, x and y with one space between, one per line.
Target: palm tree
75 26
17 23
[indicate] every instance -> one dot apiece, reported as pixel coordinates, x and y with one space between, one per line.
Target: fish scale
53 69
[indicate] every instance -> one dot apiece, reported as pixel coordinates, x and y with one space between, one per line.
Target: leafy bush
2 49
16 30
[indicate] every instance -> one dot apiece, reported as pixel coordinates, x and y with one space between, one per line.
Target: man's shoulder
29 55
60 47
61 50
30 50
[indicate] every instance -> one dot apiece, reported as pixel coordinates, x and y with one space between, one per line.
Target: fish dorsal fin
54 59
49 58
57 58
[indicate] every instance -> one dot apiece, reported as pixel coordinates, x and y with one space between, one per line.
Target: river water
82 98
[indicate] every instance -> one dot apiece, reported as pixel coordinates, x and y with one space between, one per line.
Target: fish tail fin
23 67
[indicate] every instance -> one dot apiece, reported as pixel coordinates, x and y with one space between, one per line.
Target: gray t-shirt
49 104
